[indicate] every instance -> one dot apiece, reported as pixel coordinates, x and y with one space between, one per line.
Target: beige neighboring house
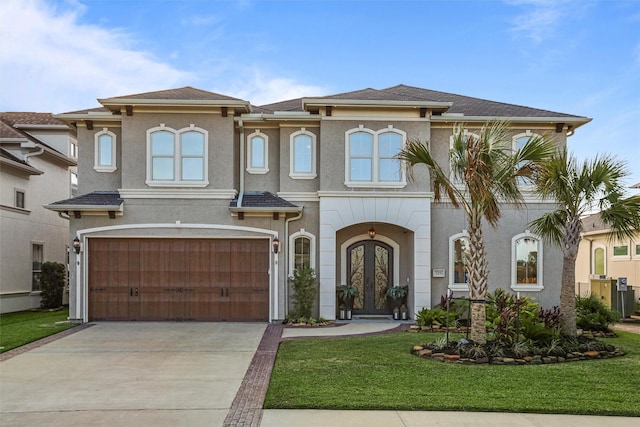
194 205
37 167
601 261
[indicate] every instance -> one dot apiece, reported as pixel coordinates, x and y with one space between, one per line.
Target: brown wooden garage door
179 279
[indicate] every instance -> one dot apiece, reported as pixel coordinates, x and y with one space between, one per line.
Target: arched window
177 158
370 158
526 266
518 141
599 257
258 153
105 151
458 259
303 155
302 250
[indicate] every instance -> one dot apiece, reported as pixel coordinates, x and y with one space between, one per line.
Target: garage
158 279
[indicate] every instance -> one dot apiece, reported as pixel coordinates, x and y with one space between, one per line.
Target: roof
30 118
7 155
97 198
183 93
593 223
466 105
9 132
263 200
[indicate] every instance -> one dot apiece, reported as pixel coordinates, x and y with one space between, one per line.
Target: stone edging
39 343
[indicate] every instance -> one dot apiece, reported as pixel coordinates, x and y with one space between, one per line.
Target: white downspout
286 260
241 191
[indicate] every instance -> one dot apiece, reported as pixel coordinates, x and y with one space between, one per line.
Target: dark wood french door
370 270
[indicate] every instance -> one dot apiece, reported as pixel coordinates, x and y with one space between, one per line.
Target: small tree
304 285
52 284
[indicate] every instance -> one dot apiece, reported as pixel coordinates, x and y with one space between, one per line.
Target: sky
580 57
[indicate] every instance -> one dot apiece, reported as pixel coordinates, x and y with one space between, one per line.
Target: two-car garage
191 279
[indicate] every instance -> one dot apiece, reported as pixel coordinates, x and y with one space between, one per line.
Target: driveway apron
130 374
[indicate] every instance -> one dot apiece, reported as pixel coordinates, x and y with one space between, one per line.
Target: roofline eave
17 165
321 102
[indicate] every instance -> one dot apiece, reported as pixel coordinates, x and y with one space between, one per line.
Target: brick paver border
46 340
246 409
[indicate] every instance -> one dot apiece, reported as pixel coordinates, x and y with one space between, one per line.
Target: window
457 174
105 151
177 158
526 268
73 149
621 251
518 142
599 259
302 250
37 257
636 253
458 260
371 158
20 199
303 155
258 153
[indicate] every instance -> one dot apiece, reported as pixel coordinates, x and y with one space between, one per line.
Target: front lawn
379 372
23 327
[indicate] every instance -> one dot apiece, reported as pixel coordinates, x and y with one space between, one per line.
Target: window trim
375 159
598 245
96 162
456 286
514 141
292 249
635 244
527 287
177 164
250 168
626 257
292 161
35 271
17 191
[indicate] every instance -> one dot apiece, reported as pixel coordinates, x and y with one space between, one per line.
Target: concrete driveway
130 374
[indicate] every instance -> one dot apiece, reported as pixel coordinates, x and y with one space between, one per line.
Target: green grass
23 327
378 372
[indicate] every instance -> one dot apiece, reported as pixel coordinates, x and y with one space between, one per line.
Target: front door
370 269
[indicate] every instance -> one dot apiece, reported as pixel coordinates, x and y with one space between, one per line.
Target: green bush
435 316
593 315
305 289
52 285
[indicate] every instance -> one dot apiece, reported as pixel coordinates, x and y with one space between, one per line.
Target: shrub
52 285
305 289
435 316
593 315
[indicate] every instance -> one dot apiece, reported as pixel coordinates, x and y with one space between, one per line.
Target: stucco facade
298 173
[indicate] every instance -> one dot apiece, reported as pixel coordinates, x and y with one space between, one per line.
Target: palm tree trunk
478 276
570 244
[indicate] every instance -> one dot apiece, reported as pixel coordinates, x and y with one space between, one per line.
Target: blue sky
573 56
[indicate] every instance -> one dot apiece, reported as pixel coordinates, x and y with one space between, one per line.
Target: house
602 260
197 206
37 160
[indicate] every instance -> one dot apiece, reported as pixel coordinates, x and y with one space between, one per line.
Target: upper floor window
105 151
370 158
177 158
457 165
458 261
518 142
20 199
526 267
302 250
258 153
303 155
73 148
636 252
621 252
599 259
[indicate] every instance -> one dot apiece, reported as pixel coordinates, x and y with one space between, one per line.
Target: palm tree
485 172
596 184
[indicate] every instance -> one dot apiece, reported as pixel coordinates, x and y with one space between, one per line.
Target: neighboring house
37 160
602 260
198 206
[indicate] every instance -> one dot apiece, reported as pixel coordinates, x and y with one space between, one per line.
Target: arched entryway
370 270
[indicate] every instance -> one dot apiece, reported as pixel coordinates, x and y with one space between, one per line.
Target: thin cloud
541 18
57 64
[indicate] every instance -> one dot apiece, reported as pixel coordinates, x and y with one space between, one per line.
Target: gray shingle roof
466 105
97 198
262 199
183 93
7 155
29 118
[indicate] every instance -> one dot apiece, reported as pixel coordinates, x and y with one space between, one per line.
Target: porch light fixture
372 232
76 245
276 245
